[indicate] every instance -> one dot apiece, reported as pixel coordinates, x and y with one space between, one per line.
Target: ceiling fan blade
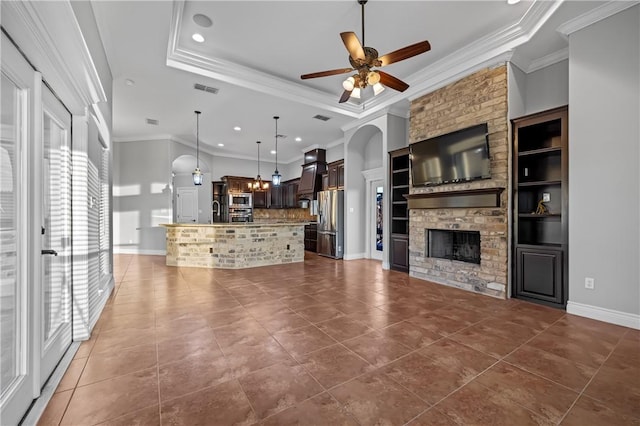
392 82
353 45
405 53
345 96
326 73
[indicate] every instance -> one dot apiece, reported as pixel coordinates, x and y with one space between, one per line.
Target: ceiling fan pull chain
362 3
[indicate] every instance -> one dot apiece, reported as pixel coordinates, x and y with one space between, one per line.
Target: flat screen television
459 156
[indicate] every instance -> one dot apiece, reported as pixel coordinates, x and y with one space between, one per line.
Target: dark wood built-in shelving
399 210
540 165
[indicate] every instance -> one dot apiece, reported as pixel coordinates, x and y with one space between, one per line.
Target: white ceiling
255 52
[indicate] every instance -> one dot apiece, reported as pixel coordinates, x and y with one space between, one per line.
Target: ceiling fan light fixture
373 78
356 93
349 84
377 89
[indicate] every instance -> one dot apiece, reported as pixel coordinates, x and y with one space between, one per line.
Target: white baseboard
603 314
386 266
129 250
354 256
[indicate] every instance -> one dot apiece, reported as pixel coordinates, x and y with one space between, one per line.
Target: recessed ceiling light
198 37
273 151
129 82
513 1
298 139
202 20
220 144
237 128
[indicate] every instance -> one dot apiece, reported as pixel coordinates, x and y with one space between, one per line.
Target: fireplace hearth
463 246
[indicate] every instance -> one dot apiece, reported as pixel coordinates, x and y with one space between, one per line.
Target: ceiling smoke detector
322 117
152 121
207 89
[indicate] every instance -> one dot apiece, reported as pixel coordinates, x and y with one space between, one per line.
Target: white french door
35 234
16 296
55 304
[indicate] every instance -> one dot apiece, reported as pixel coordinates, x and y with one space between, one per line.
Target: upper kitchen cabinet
237 184
335 175
311 178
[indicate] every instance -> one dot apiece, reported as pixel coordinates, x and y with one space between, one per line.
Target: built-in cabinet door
16 262
55 233
539 274
399 252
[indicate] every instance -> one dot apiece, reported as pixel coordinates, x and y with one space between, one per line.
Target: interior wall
604 183
373 152
335 153
516 93
547 88
141 192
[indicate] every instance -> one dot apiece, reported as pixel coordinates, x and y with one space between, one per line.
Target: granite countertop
232 225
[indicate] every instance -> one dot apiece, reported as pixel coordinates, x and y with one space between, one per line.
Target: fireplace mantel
467 198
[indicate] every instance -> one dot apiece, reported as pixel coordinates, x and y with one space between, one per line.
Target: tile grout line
591 380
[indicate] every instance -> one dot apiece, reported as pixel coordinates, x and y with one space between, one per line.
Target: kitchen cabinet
311 237
276 197
261 198
237 184
540 203
335 174
290 193
311 178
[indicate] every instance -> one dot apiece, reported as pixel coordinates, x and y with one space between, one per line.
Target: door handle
53 252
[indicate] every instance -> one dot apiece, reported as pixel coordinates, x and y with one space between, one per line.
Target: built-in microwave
244 200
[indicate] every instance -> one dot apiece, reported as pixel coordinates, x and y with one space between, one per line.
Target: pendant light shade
197 174
258 184
276 177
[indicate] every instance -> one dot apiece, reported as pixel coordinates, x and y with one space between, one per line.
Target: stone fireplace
478 207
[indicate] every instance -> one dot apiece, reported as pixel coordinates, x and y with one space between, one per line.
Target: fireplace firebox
463 246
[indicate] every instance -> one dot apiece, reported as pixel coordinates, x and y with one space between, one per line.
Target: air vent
207 89
152 121
322 117
281 136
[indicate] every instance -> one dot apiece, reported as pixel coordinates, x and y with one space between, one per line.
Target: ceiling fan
363 59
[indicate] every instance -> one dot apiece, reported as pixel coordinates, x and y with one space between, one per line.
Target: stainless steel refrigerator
331 223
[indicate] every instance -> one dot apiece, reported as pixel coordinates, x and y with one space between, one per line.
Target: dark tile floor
331 342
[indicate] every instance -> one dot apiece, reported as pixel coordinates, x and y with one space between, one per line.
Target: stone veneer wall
234 247
475 99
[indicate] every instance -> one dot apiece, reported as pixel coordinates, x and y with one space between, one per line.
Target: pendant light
197 174
258 184
276 177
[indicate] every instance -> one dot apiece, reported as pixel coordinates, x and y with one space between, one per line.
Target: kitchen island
234 245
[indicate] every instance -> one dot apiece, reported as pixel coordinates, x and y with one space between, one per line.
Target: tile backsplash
264 215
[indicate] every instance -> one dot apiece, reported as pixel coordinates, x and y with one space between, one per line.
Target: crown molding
595 15
486 51
550 59
49 35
